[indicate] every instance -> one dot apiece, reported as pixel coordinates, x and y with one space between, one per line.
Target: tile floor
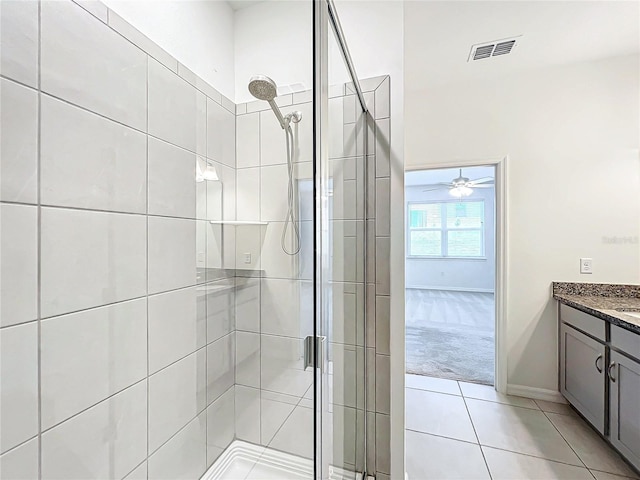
458 430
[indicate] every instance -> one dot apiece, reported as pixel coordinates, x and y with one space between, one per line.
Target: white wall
472 274
273 39
572 136
198 33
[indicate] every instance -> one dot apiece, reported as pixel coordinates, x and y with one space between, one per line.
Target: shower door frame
325 15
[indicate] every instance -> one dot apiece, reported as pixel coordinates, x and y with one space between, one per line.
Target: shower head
263 88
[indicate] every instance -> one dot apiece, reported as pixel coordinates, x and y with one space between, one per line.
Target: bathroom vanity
599 328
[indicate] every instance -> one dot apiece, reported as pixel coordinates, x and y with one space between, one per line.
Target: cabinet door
582 377
624 407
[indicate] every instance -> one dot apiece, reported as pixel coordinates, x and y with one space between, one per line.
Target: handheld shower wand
263 88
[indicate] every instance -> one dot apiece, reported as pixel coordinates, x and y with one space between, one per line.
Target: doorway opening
450 278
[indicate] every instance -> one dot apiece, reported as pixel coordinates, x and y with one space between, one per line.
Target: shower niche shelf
238 222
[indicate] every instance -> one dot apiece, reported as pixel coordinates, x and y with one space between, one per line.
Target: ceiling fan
462 186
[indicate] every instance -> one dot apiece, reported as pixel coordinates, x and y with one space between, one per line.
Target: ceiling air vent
483 52
492 49
503 48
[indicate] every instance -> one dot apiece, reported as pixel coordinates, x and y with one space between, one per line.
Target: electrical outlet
247 258
586 265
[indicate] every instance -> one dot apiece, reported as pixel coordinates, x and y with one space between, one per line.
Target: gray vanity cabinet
582 376
624 406
600 376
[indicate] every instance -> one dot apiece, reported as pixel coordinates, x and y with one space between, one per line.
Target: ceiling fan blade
441 187
483 185
437 186
481 180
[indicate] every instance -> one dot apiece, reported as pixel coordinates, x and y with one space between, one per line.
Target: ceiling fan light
460 191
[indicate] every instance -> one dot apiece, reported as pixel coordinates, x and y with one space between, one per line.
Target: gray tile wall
377 283
117 319
273 300
274 294
347 173
361 340
121 309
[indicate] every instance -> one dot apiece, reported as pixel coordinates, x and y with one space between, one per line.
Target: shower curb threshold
253 461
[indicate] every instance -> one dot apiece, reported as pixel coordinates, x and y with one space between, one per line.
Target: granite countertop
603 301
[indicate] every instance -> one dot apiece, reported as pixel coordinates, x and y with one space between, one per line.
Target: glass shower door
340 259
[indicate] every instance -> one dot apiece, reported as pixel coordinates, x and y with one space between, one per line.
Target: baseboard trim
450 289
536 393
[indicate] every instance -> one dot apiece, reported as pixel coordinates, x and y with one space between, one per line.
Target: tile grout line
235 282
206 301
18 445
298 404
132 385
191 419
566 441
85 409
371 215
260 266
117 212
466 407
122 124
501 449
442 436
35 89
147 256
118 302
535 409
547 417
430 391
134 468
39 240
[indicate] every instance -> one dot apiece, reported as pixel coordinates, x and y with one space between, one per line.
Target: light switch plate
247 258
586 265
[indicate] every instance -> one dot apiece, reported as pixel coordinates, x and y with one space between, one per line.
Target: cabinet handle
597 367
611 377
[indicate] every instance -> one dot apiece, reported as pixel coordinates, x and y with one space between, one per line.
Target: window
446 229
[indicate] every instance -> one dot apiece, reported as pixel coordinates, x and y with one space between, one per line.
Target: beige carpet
450 354
450 335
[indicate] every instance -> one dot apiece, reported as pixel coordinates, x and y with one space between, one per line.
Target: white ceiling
428 177
240 4
439 35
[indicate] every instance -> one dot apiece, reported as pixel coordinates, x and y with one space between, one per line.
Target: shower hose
290 219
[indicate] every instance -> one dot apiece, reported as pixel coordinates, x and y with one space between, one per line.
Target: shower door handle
309 350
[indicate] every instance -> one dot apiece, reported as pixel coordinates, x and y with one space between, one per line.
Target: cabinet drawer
594 326
626 341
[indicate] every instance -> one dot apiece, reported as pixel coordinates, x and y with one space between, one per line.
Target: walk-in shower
153 318
263 88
